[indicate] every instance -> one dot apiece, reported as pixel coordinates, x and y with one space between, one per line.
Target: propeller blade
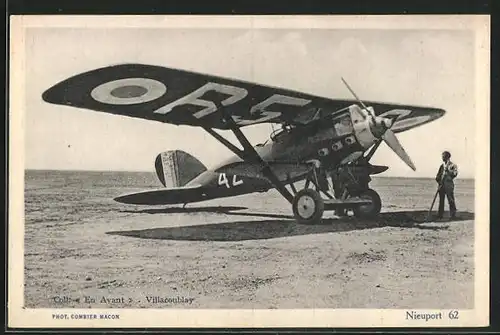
356 97
392 141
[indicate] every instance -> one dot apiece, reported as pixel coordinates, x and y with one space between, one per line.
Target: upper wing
188 98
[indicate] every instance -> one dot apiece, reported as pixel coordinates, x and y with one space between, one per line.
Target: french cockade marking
129 91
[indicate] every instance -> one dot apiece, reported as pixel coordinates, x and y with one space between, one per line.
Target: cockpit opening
276 134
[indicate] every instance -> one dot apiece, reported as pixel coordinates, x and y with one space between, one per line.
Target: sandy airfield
242 252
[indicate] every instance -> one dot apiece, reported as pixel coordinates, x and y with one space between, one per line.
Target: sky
432 68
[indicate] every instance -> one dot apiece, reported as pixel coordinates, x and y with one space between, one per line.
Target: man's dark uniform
445 176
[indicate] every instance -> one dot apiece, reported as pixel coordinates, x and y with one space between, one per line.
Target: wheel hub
306 206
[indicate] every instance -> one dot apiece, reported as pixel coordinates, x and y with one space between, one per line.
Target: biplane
320 139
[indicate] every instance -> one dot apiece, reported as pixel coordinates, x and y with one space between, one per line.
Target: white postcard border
22 317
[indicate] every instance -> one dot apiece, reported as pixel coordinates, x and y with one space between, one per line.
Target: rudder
175 168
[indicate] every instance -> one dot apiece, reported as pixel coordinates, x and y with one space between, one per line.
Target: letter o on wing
129 91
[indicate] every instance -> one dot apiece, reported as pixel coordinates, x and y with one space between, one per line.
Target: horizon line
150 171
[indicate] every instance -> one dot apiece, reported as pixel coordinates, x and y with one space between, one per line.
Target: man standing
445 176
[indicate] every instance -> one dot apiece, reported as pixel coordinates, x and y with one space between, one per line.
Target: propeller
392 141
381 128
357 98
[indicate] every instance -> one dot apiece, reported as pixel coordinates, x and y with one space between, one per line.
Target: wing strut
249 154
228 144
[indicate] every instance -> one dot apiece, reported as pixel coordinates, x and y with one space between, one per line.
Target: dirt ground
84 250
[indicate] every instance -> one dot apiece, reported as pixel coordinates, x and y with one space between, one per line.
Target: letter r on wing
194 98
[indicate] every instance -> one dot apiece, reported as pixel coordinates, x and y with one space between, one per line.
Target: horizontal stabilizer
283 170
171 196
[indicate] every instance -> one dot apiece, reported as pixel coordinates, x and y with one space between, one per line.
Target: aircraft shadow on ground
175 210
285 226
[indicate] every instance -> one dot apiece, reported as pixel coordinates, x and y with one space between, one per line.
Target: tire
369 211
308 206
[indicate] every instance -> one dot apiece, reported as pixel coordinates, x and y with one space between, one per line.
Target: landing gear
351 193
353 181
370 210
308 206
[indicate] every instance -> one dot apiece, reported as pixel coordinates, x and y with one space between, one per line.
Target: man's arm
452 170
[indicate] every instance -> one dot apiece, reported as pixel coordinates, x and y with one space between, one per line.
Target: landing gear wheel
308 206
371 210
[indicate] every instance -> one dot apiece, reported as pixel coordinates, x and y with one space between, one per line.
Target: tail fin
176 168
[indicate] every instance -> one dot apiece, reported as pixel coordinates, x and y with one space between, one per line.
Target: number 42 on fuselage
319 138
